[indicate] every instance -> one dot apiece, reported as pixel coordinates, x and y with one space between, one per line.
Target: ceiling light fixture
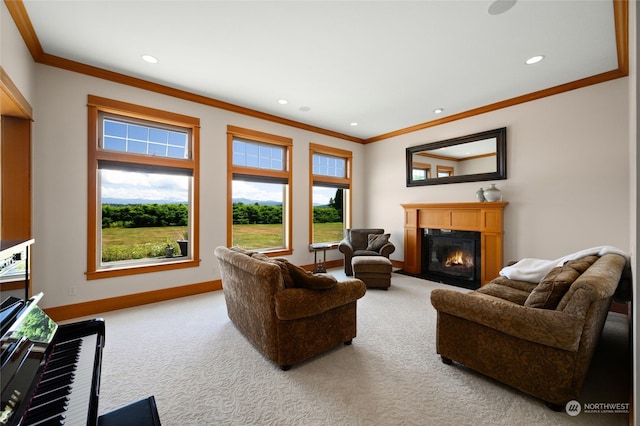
150 59
438 110
354 124
534 59
283 101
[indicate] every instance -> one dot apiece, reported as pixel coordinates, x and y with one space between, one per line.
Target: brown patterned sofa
286 312
538 338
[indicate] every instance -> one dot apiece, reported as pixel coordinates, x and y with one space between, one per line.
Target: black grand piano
50 373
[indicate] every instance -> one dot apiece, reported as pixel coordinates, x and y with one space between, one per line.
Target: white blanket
534 270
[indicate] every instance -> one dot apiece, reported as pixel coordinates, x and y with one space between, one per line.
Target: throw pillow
305 279
286 276
548 293
376 241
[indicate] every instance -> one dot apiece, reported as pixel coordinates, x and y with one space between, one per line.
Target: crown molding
621 16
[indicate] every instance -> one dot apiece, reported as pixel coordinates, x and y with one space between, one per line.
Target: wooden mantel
486 218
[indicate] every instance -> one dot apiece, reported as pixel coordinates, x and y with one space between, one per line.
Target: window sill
121 271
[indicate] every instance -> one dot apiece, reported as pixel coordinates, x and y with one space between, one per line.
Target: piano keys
50 373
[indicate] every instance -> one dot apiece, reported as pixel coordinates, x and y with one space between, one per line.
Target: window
444 171
143 190
421 171
259 184
330 193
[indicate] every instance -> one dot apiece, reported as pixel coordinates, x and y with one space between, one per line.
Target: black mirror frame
501 159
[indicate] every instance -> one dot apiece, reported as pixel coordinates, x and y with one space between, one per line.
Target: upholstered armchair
364 242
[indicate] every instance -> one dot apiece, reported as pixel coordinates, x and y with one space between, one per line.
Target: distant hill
267 203
123 201
260 203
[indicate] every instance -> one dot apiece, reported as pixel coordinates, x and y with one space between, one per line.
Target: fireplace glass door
452 257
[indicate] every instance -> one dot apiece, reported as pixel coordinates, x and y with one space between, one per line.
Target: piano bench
139 413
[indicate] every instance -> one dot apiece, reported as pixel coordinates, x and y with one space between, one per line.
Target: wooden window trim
449 169
335 152
287 173
423 166
95 105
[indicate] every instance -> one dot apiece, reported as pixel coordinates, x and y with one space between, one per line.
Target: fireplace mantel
486 218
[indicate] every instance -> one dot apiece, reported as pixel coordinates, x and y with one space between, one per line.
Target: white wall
14 55
567 165
60 186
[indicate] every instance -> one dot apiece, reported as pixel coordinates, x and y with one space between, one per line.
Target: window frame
426 167
96 106
347 180
285 174
449 170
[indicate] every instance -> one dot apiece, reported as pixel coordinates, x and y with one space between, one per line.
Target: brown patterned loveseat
286 312
538 338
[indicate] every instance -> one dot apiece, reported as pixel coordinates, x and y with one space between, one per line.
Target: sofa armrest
387 249
345 247
295 303
546 327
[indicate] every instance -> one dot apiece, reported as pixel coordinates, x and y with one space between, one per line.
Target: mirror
473 158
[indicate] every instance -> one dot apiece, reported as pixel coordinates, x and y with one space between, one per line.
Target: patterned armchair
364 242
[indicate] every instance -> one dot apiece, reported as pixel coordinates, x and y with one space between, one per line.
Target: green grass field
138 243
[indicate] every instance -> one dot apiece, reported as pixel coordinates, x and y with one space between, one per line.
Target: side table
319 266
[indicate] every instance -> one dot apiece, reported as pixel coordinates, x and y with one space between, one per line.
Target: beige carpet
202 371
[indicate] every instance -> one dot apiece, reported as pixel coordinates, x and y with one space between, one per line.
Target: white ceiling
383 64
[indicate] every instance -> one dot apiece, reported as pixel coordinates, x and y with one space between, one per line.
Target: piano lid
31 323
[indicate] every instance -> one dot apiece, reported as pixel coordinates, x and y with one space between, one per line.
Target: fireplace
485 218
452 257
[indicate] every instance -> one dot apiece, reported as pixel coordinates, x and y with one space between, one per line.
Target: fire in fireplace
451 257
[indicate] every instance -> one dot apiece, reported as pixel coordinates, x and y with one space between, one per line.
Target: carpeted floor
202 371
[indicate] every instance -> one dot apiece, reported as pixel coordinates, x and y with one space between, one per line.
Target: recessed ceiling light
354 124
534 59
438 110
283 101
150 59
305 109
501 6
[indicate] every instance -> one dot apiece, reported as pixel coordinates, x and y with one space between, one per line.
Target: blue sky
151 186
135 186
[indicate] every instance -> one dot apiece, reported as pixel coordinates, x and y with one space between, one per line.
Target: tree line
148 215
246 214
144 215
249 214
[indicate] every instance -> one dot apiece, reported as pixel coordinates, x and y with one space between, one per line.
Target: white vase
493 193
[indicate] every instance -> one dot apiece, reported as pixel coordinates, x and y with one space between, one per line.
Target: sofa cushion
504 292
365 253
376 241
525 286
305 279
548 293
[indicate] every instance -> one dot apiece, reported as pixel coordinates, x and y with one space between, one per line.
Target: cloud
322 195
144 186
273 192
257 191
